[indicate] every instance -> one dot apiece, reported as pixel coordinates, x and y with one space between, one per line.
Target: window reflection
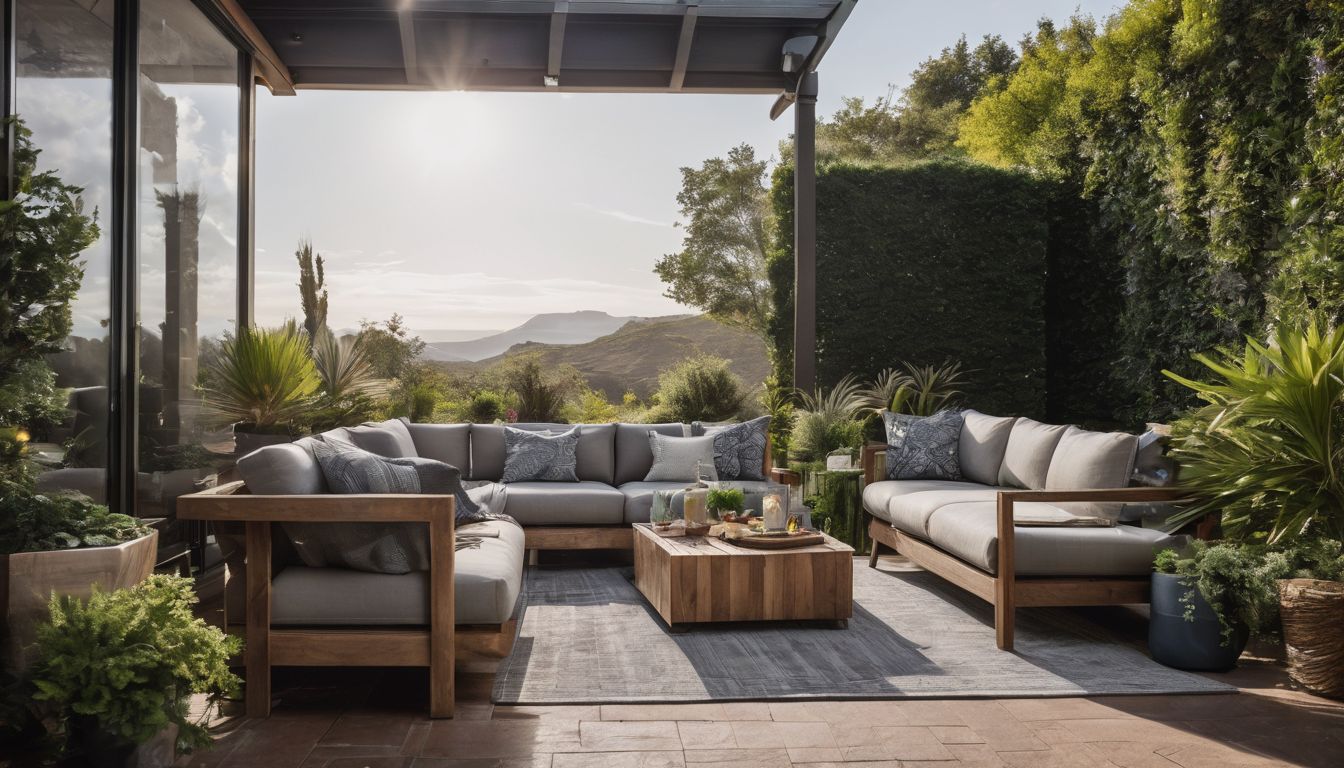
64 97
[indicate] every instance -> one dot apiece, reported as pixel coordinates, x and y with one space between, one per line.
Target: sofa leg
874 553
532 558
1004 614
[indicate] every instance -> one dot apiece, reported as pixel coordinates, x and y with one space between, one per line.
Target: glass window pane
188 218
64 97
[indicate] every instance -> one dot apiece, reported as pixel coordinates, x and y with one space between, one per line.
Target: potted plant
1208 600
118 668
1265 451
262 382
1312 609
727 504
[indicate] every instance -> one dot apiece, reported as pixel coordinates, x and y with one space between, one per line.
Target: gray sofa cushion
984 439
878 497
639 498
449 443
386 438
581 503
1026 459
633 454
542 456
681 459
487 579
1084 460
285 469
595 453
969 531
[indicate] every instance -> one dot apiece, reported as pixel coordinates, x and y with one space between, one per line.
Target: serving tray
788 541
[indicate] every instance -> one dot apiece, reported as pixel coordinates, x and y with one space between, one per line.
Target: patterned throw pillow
739 449
675 459
923 448
543 456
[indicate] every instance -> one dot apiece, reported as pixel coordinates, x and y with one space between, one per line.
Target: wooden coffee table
696 579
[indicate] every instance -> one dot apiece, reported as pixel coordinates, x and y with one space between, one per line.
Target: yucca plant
916 390
1267 448
824 421
262 377
344 368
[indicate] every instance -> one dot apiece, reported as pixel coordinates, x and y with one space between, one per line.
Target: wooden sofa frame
437 647
1004 589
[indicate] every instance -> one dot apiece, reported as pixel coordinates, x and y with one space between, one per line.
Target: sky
471 212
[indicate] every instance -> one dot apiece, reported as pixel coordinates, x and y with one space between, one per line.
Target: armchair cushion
1026 458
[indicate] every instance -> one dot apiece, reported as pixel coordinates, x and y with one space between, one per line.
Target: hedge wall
922 263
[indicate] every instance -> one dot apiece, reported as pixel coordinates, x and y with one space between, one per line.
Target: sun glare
447 130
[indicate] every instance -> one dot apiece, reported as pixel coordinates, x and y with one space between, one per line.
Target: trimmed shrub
926 262
699 389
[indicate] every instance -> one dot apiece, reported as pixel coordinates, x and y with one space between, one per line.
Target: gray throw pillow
923 448
378 547
675 459
739 449
540 456
386 438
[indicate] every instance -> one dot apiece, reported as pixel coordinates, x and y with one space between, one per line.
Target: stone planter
28 579
1192 645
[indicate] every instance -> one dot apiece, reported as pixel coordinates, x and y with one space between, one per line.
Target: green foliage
721 267
699 389
43 231
389 347
1239 582
825 421
542 395
726 500
486 407
1267 448
263 377
778 403
34 522
913 389
928 261
1317 559
312 290
131 658
592 408
343 367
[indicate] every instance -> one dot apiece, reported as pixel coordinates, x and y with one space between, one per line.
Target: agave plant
262 377
824 420
1267 448
344 368
916 390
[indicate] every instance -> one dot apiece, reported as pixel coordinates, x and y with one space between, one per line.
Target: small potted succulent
728 504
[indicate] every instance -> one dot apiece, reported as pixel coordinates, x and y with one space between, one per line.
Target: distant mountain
553 328
436 335
633 356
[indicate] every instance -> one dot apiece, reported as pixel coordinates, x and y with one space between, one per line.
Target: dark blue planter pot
1192 645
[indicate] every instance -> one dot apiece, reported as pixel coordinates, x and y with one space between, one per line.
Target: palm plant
1267 448
916 390
263 377
344 368
824 420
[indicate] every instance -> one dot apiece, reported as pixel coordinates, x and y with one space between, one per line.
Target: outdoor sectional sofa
463 607
1008 531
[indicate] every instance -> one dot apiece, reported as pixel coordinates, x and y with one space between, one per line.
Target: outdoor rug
586 636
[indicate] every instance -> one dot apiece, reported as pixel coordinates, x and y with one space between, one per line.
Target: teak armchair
267 646
1004 589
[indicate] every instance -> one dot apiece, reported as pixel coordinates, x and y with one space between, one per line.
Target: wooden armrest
874 462
231 502
1136 494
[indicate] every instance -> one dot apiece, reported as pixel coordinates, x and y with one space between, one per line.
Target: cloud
622 215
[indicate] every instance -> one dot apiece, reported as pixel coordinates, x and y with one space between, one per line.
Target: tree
312 290
721 267
390 350
43 230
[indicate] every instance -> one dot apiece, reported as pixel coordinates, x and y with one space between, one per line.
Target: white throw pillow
675 459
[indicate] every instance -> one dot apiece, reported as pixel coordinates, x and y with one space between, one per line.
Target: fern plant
262 377
1267 448
128 661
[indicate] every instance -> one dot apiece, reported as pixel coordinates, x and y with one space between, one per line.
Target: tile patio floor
376 719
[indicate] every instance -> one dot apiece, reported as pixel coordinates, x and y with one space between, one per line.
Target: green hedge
924 262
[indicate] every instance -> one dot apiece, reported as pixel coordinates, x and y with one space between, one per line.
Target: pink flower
512 416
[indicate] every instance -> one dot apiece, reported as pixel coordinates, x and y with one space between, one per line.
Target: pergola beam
270 67
805 234
684 47
554 57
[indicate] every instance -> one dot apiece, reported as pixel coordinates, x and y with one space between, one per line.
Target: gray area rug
586 636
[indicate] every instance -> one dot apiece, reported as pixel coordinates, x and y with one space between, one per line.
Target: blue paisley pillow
923 448
543 456
739 449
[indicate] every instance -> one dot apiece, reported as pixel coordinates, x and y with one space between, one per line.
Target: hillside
552 328
633 356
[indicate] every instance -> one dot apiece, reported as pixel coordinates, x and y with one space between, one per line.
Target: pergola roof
704 46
